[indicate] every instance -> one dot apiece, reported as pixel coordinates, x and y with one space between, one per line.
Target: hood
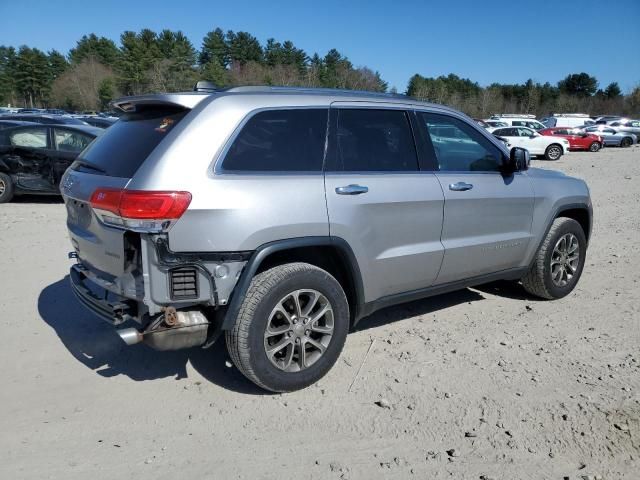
543 172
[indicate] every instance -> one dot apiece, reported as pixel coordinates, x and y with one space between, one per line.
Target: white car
568 120
551 148
495 123
514 120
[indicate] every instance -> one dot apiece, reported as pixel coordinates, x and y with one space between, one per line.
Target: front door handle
460 186
352 190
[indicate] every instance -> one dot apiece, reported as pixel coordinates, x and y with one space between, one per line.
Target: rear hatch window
125 145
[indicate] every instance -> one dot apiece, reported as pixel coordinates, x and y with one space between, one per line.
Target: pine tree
214 49
100 48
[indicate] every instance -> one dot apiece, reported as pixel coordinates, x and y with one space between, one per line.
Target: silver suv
280 217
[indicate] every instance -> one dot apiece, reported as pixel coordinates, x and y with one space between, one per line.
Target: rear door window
35 137
123 147
374 140
280 141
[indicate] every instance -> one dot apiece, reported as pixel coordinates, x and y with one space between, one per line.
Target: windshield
124 146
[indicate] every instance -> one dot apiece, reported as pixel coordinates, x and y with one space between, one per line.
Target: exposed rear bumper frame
113 311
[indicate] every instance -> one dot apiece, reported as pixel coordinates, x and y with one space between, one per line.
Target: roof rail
513 115
579 115
309 90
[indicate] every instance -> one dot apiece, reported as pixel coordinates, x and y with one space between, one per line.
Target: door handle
352 190
460 186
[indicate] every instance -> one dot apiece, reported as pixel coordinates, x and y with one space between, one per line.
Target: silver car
280 217
631 126
612 137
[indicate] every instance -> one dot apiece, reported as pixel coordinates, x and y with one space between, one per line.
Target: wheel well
329 258
581 216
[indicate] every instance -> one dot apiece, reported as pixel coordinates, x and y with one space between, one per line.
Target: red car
577 140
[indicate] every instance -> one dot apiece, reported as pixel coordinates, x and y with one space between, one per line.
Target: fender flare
265 250
557 213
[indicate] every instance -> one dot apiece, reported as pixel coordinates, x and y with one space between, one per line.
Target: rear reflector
141 204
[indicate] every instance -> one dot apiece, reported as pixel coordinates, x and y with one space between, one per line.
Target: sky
494 41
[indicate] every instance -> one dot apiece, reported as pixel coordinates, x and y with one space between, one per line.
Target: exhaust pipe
171 331
130 336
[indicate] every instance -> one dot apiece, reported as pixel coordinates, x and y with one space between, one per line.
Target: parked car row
554 136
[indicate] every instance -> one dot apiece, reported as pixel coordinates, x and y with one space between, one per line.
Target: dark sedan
12 123
34 157
44 119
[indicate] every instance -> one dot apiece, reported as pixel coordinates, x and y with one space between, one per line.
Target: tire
6 188
626 142
540 281
271 292
553 152
594 147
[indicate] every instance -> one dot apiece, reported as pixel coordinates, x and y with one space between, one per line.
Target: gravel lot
478 384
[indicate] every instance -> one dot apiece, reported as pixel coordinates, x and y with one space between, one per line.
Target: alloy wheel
565 259
3 186
299 330
554 153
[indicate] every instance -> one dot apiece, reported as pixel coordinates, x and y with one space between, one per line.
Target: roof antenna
205 86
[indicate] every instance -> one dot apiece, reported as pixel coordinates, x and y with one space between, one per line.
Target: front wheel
291 327
559 261
594 147
553 152
6 188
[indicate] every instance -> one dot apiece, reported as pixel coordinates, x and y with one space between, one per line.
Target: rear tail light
140 210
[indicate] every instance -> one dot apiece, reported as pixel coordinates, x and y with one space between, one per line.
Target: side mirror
519 159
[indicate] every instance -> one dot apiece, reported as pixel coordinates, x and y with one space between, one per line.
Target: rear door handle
460 186
352 190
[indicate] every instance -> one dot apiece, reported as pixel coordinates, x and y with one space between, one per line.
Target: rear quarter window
124 146
280 141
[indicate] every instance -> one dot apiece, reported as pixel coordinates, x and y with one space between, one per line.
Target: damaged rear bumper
107 305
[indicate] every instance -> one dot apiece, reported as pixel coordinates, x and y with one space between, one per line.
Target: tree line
577 92
98 70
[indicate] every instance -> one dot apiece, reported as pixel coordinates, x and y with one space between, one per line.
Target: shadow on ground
94 342
507 289
418 307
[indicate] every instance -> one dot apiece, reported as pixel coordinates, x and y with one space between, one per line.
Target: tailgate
98 246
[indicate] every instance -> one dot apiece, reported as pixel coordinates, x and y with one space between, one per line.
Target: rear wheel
594 147
626 142
559 261
553 152
291 327
6 188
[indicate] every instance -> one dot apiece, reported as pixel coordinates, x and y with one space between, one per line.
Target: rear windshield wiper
90 166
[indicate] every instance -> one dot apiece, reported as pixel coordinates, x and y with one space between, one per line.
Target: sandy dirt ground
478 384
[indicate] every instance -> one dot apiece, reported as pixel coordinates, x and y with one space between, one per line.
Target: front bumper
108 306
